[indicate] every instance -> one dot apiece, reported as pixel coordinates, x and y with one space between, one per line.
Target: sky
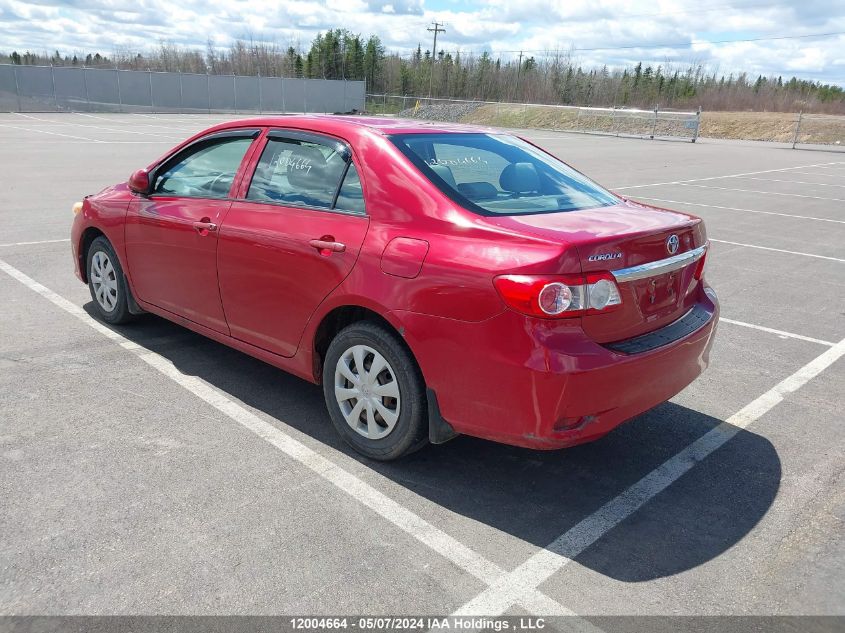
596 32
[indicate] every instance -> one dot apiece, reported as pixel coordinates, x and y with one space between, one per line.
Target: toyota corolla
435 279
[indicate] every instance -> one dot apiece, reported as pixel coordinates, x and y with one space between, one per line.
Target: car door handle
204 227
326 246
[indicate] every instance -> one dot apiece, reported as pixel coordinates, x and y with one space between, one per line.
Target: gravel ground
451 112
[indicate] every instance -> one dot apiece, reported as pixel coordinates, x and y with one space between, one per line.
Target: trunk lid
628 234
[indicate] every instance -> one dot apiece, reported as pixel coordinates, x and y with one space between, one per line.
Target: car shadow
534 496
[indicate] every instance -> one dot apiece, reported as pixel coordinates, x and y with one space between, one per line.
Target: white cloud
406 7
496 25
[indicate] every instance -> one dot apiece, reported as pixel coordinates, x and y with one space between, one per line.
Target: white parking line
780 333
81 140
747 173
66 143
142 125
95 127
67 239
768 193
779 250
513 588
794 182
27 129
504 589
202 120
812 173
185 116
412 524
716 206
181 119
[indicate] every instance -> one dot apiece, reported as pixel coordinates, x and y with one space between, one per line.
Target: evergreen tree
373 58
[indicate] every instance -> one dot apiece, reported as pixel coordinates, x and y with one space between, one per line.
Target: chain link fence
656 123
805 130
76 89
819 129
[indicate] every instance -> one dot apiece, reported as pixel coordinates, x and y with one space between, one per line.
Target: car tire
107 283
392 418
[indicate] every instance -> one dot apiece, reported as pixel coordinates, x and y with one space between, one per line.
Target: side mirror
139 182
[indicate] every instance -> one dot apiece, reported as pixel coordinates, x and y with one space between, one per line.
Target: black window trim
340 185
305 207
173 158
283 134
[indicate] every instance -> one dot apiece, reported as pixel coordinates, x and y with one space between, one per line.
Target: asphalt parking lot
147 470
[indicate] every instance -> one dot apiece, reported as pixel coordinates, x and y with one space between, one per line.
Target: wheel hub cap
367 392
104 281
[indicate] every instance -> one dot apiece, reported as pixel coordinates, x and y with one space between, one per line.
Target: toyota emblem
672 244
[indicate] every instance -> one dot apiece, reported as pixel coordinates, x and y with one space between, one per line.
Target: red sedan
436 279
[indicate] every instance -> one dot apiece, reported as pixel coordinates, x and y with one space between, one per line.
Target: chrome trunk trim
659 267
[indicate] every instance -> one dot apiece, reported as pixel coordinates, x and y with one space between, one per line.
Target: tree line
556 77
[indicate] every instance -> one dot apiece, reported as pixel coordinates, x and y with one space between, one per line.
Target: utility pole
518 70
435 30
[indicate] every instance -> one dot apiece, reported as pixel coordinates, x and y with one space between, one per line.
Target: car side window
350 197
206 171
298 172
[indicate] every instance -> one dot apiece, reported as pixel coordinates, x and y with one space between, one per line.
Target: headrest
478 190
445 173
520 178
306 168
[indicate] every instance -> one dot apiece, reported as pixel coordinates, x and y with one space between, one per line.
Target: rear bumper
544 384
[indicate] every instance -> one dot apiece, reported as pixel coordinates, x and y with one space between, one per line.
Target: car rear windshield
499 174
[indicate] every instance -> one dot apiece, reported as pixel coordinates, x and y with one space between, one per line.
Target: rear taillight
559 296
699 267
602 293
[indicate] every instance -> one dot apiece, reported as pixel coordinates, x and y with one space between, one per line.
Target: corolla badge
672 244
601 257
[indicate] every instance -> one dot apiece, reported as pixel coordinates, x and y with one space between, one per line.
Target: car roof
379 124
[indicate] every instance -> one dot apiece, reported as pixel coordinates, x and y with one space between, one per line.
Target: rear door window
302 172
